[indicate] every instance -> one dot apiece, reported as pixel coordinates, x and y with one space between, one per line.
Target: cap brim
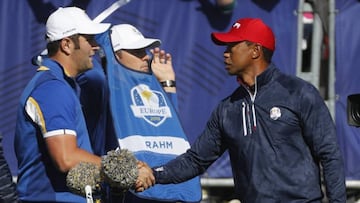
94 28
224 38
143 43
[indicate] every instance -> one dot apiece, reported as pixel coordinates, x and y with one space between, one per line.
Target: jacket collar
266 76
260 80
54 67
58 71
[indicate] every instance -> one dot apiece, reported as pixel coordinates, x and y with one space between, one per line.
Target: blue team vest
147 124
38 179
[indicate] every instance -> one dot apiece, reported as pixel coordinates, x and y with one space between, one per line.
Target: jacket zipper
244 118
246 114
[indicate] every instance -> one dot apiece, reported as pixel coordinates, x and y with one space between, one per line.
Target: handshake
119 169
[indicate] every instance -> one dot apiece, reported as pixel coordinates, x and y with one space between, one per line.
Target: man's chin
231 73
87 68
145 69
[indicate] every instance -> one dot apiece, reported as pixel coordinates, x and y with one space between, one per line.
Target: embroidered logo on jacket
149 105
275 113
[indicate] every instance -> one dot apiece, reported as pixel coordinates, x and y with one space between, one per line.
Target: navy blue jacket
8 192
277 137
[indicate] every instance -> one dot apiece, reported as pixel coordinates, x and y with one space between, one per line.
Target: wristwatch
168 83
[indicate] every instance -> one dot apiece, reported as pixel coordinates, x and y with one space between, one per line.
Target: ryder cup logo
275 113
149 105
236 25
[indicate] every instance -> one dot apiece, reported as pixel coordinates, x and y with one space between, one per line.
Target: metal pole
331 101
317 37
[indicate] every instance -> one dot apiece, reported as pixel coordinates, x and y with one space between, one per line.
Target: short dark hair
266 52
54 46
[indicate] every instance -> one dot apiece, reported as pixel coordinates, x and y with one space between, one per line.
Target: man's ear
65 45
256 51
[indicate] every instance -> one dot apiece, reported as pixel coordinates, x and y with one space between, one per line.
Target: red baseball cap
249 29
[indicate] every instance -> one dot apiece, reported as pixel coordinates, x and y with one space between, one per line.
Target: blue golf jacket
277 138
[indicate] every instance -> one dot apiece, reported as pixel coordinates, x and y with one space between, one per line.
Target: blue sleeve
320 135
206 149
56 101
173 99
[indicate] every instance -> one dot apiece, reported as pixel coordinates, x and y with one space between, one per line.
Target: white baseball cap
68 21
125 36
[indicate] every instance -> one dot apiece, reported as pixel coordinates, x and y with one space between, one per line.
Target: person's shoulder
293 82
41 79
45 73
53 90
299 88
234 97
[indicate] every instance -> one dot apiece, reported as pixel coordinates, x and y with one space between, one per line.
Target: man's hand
161 65
145 179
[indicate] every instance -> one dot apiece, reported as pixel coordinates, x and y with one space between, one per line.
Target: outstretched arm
65 152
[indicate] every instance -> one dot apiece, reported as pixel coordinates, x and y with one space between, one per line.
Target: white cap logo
237 25
275 113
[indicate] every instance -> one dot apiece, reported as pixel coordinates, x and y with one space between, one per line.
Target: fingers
139 186
161 65
156 55
141 164
145 179
160 56
168 58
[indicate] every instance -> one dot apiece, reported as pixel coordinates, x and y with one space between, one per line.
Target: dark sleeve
320 135
7 187
206 149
